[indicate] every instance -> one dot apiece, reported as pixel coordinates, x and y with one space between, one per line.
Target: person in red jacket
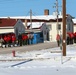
5 39
24 39
13 39
58 39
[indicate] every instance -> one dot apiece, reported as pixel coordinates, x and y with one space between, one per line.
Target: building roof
7 22
40 17
11 21
35 25
74 20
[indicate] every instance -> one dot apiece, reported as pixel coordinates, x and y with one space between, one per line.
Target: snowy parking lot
46 62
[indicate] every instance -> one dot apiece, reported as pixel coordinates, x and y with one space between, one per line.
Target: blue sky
22 7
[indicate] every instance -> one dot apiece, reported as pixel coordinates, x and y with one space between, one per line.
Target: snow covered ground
43 62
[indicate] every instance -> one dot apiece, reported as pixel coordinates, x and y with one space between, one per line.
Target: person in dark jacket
20 40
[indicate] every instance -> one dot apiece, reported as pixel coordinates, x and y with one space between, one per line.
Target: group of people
7 39
70 38
10 39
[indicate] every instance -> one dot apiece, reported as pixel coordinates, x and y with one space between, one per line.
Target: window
59 27
0 21
50 27
69 26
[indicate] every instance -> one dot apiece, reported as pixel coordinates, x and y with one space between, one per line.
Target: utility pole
31 19
57 15
64 27
56 6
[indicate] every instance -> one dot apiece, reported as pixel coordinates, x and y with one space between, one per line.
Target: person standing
58 39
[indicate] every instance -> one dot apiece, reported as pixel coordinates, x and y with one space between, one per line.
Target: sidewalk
28 47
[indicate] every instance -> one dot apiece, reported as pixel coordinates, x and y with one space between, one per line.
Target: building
11 26
37 21
74 20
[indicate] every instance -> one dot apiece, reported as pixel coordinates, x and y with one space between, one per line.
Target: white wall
74 28
6 30
53 31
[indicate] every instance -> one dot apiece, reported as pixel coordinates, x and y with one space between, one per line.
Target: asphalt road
28 47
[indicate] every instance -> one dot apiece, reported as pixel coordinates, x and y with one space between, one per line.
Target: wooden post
31 19
25 23
64 27
57 15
